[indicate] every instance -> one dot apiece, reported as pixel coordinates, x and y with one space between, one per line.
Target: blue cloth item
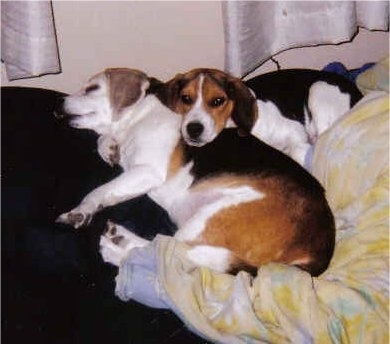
339 68
137 278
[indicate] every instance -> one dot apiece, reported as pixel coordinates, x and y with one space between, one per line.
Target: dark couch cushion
55 287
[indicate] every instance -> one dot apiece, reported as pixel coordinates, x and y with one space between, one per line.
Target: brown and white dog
296 106
238 202
292 107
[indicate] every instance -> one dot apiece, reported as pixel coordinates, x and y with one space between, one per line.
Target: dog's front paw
75 218
117 242
113 244
108 149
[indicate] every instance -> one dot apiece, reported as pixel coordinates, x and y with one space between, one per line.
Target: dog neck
132 115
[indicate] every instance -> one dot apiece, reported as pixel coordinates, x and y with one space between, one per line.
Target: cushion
55 286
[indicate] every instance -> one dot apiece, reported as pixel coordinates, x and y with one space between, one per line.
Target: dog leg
131 184
108 149
327 104
284 134
298 152
212 257
117 242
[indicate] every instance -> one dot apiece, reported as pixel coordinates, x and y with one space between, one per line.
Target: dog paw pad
75 219
79 219
110 229
117 240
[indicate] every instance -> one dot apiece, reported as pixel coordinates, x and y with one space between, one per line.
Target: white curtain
256 30
28 39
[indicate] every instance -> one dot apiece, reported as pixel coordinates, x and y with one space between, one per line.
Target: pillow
376 78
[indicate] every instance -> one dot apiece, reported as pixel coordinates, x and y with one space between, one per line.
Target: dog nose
194 129
58 110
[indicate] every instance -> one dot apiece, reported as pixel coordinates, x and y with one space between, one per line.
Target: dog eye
92 88
217 102
186 99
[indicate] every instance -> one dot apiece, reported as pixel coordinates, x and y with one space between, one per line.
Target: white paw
117 242
108 149
110 252
75 218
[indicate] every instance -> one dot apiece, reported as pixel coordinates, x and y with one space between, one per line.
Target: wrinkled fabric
257 30
375 78
28 39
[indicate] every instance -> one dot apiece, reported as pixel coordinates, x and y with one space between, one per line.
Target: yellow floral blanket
347 304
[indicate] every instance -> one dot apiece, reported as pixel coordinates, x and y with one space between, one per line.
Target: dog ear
244 112
125 88
168 92
154 86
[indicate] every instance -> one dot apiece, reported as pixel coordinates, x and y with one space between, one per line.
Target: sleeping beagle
296 106
236 201
135 131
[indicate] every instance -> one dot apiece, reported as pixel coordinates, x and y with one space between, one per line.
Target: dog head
103 100
208 99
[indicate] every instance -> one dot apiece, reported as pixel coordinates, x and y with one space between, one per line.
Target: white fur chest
150 139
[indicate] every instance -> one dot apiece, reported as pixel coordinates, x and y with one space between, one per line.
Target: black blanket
55 286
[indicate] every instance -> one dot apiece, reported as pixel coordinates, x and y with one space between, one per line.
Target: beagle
292 107
237 202
296 106
135 131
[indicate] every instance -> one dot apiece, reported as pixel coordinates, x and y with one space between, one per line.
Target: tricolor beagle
236 201
293 107
296 106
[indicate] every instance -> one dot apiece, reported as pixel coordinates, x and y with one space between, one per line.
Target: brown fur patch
277 228
177 159
212 92
125 88
190 90
241 105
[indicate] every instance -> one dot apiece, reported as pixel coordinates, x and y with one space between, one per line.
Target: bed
346 304
55 286
57 289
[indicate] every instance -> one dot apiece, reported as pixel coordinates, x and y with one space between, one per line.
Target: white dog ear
126 87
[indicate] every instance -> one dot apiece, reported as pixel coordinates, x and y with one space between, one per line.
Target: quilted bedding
347 304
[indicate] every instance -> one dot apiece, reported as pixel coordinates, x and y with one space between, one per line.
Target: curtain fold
256 30
28 39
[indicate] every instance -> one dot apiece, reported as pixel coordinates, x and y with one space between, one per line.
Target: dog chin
81 121
194 143
74 124
78 123
74 121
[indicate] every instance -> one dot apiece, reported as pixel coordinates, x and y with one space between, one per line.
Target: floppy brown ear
154 86
244 112
168 93
125 88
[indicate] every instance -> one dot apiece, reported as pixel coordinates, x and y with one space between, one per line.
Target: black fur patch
289 89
